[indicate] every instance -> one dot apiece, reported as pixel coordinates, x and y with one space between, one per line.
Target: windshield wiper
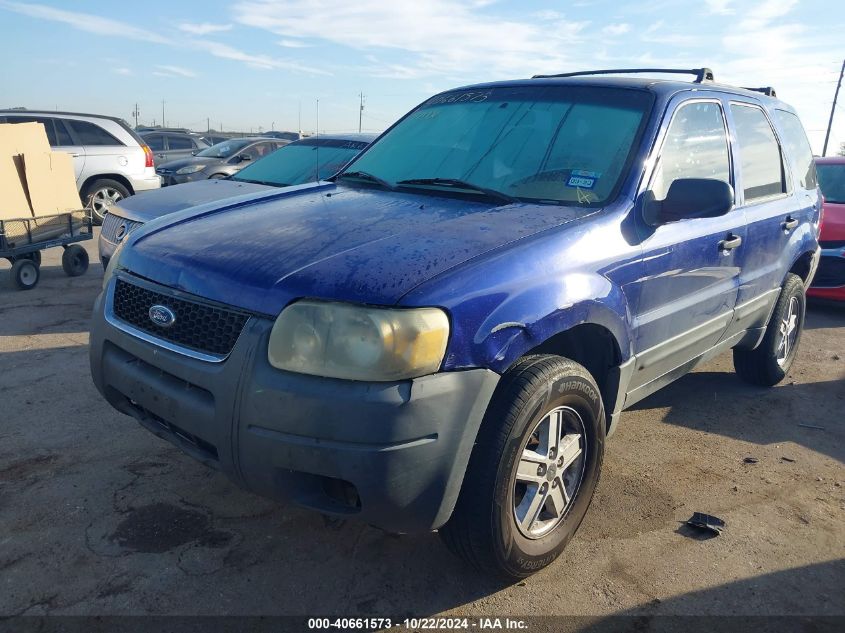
258 182
454 183
363 175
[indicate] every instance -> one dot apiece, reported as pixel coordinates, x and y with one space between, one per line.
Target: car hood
173 165
147 205
325 241
833 222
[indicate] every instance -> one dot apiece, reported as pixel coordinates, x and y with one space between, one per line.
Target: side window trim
786 177
664 134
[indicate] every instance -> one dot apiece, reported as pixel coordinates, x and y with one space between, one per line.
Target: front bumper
390 454
172 178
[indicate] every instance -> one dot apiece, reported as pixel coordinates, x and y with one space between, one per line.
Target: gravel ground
97 516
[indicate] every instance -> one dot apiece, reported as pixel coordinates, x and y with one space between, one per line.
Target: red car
829 282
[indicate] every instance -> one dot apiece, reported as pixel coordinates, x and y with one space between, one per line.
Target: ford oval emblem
162 316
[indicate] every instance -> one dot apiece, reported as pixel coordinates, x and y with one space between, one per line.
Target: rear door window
179 143
759 153
155 142
798 148
90 134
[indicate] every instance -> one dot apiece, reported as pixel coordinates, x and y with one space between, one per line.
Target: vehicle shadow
774 597
719 402
824 314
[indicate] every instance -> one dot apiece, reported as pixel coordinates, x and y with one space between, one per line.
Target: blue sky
259 63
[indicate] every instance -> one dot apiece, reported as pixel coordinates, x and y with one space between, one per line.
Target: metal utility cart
23 239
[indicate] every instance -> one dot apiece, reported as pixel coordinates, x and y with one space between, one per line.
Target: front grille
199 326
830 273
113 223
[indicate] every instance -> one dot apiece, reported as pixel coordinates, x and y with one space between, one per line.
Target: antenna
360 111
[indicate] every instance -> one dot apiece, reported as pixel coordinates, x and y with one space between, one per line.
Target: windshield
301 162
558 144
226 149
832 182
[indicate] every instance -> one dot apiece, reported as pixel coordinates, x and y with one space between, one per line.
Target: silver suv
110 159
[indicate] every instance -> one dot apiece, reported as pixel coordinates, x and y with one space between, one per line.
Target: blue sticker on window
581 182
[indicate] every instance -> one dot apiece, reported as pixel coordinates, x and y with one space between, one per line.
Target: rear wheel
25 274
101 195
769 362
75 260
533 471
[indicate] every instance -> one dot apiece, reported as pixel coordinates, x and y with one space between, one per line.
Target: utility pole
300 118
832 109
360 111
317 131
135 113
272 126
208 124
162 114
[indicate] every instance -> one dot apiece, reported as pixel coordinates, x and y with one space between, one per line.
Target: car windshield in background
560 144
226 149
832 182
302 161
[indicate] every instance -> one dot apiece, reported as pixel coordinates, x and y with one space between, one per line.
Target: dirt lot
97 516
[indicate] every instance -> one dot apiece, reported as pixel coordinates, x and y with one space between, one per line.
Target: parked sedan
310 159
217 161
829 282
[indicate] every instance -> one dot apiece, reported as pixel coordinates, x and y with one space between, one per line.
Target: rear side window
179 142
759 152
696 146
798 147
91 134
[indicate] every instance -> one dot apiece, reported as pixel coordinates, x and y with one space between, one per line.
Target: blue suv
444 335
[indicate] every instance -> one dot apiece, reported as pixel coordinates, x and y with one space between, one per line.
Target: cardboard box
13 199
33 180
51 182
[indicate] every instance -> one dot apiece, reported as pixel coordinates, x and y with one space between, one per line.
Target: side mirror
245 157
687 199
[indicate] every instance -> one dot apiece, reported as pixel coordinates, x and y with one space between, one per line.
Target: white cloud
176 71
84 21
615 30
108 27
293 44
437 37
203 28
719 7
122 70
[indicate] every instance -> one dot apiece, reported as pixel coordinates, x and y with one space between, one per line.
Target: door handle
789 224
729 243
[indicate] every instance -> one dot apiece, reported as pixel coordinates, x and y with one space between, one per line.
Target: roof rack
767 90
701 74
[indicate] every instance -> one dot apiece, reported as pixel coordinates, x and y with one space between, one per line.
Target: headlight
190 169
113 265
340 340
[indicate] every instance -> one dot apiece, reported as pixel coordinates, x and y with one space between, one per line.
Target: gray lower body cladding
390 454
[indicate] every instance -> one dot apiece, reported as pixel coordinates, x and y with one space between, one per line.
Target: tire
484 528
25 274
769 362
102 194
75 260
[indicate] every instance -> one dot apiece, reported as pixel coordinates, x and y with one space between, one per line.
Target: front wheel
533 471
769 362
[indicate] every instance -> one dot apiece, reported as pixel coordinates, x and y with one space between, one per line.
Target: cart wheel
25 274
75 260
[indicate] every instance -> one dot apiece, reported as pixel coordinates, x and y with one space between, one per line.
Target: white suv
111 160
